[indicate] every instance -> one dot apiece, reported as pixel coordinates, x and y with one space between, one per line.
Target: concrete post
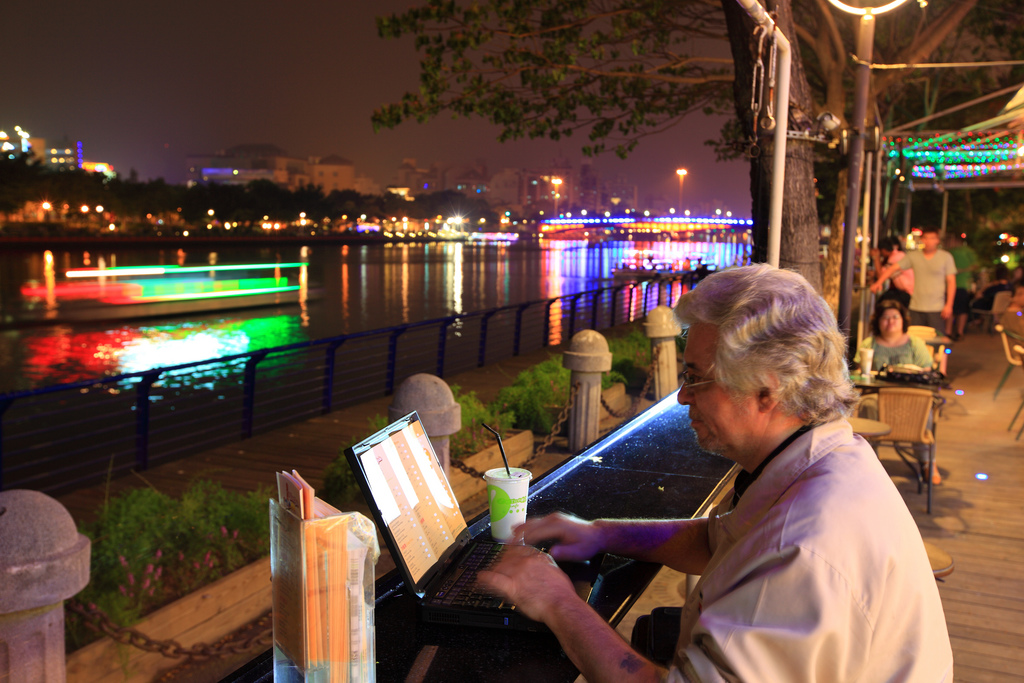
662 328
588 356
43 561
433 400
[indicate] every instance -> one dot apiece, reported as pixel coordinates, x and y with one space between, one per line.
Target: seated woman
890 340
894 346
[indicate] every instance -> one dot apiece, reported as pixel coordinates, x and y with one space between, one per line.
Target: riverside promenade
978 521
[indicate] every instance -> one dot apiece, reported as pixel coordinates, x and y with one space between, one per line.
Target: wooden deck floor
979 522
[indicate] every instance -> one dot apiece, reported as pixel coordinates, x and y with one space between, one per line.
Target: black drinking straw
500 448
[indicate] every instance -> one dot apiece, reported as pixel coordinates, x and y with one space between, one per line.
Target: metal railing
66 436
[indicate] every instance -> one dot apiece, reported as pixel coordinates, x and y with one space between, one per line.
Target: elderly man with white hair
813 569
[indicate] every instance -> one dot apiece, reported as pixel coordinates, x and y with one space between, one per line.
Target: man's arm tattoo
631 663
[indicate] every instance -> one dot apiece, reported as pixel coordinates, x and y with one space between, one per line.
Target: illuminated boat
643 264
145 291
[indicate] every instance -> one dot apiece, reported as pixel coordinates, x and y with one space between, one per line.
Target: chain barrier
98 620
459 465
634 405
555 428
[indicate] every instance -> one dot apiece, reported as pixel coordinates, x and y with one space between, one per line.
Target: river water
47 337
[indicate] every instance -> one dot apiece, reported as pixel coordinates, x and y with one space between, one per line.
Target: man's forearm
596 649
681 544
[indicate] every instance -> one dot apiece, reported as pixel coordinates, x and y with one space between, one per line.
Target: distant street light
557 182
681 172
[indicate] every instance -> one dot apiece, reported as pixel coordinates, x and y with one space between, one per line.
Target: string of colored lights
953 156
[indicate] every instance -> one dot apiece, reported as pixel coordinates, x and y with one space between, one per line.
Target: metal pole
758 14
945 213
865 46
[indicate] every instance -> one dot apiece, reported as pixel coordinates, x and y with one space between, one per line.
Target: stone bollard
588 356
433 400
43 561
662 328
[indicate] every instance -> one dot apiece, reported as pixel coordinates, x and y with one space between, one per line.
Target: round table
868 428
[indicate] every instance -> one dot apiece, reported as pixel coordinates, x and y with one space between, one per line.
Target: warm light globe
867 10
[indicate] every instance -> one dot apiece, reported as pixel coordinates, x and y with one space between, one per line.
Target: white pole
757 13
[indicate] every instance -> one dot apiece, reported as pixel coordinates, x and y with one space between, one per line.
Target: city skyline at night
145 88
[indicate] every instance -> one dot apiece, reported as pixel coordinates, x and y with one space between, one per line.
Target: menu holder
323 592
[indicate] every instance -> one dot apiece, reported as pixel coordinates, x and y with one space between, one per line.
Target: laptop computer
422 524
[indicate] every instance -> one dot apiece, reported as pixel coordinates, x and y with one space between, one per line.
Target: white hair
774 332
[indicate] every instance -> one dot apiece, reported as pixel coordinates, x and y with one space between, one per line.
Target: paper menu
323 624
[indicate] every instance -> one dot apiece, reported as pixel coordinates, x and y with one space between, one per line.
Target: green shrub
472 437
535 396
149 549
631 357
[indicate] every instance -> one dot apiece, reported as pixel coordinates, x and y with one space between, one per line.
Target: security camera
828 122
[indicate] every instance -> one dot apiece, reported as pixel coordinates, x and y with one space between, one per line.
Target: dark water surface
47 336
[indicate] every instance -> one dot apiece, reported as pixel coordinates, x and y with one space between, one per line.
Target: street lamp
557 182
681 172
862 78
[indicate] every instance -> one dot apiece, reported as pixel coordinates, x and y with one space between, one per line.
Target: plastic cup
866 356
506 497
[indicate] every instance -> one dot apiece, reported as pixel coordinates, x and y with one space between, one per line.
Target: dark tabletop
649 467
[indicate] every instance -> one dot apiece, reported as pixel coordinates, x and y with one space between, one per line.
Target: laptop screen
403 480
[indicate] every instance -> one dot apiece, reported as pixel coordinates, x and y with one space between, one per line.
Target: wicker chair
1018 349
908 411
1012 358
939 354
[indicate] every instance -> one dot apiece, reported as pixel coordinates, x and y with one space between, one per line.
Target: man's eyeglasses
691 381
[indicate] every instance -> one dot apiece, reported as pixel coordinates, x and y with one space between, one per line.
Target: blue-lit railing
62 437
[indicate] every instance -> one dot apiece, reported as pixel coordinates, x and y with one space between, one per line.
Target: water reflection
341 290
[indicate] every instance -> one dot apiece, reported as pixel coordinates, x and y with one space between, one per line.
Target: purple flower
224 531
124 562
131 579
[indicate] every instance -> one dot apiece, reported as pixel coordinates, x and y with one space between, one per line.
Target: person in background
1012 319
894 346
901 286
891 342
934 281
966 262
1000 283
812 568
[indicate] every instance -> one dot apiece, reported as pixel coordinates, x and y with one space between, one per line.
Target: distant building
242 164
419 180
63 155
471 181
332 173
364 184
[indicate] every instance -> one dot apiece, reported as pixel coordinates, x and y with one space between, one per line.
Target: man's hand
947 311
877 287
575 540
531 580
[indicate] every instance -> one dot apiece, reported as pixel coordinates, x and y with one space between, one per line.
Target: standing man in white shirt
813 570
931 303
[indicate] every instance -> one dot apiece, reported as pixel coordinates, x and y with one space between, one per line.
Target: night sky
145 84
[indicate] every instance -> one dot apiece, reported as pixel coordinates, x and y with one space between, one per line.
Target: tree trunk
800 234
834 260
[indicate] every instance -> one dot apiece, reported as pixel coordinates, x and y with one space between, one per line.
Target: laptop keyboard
459 589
